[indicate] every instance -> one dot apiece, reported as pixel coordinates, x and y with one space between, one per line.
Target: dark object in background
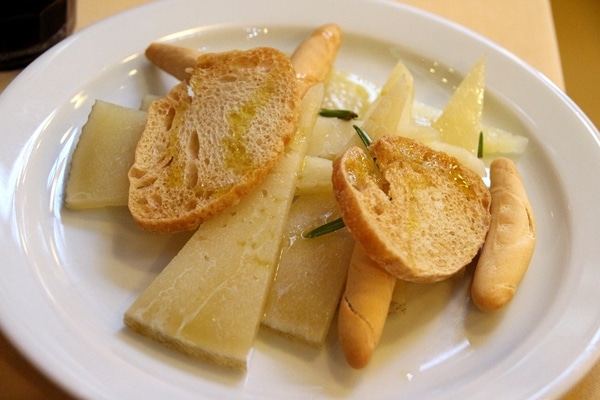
30 27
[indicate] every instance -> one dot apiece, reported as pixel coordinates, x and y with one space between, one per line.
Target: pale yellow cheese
393 106
347 91
331 137
316 176
460 121
103 156
208 301
311 273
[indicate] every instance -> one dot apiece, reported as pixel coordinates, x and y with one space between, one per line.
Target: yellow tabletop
525 28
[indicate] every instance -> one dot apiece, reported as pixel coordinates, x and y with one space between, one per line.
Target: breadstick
369 288
175 60
364 308
314 57
510 241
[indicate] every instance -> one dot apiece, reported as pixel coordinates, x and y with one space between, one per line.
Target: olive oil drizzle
237 156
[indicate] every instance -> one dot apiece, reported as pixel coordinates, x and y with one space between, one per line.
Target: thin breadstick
510 241
363 308
314 57
175 60
369 288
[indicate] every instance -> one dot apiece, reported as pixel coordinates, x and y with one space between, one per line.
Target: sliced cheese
311 273
316 176
103 156
460 121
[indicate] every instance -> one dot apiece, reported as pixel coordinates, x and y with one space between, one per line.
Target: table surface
525 28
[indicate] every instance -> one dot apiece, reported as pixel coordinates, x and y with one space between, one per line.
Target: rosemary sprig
325 229
346 115
480 145
363 136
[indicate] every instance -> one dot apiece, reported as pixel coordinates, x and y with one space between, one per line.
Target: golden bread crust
213 139
419 214
510 243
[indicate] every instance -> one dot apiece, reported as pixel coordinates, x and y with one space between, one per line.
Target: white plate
68 277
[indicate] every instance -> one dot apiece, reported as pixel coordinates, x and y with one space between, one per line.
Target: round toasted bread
214 138
417 212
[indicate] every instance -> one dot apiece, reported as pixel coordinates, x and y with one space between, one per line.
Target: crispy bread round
213 139
417 212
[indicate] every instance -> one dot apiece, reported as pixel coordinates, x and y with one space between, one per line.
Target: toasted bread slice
213 139
418 213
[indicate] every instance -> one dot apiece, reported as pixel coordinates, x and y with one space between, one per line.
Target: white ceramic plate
68 277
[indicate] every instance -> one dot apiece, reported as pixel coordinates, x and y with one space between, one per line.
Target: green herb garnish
325 229
363 136
480 145
346 115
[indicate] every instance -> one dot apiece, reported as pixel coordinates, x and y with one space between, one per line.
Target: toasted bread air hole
136 173
141 179
191 174
154 200
191 204
378 209
193 147
207 64
266 63
228 78
168 121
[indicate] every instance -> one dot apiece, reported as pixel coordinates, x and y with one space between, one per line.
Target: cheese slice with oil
311 274
208 301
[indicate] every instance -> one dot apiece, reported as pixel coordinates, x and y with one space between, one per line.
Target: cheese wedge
208 301
316 176
460 121
311 273
104 154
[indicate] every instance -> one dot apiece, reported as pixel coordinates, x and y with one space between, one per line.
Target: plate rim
55 52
